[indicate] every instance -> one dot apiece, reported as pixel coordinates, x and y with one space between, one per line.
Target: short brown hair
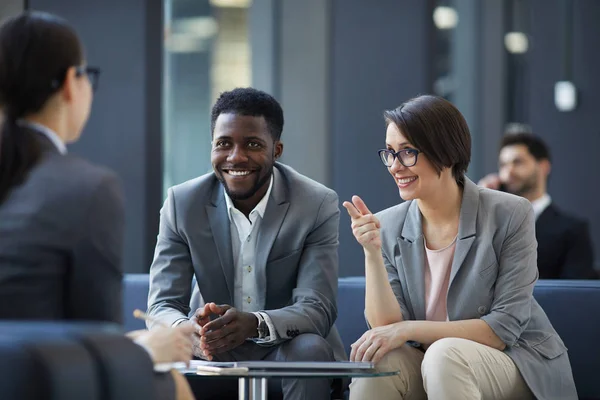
438 129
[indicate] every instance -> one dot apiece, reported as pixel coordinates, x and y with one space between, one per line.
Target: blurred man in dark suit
564 243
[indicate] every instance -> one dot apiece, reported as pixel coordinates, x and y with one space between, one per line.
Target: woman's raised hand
365 226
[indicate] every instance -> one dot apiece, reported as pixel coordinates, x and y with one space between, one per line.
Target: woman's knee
406 361
399 359
445 357
383 387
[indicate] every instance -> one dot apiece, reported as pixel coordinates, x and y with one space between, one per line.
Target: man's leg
213 387
304 347
462 369
226 388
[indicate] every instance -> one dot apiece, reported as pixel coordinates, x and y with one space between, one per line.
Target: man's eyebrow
254 138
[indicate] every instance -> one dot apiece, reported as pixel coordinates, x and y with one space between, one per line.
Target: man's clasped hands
220 328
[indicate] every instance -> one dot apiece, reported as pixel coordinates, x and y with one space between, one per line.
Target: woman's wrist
404 331
373 254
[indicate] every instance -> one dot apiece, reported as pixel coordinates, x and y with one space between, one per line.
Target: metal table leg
252 388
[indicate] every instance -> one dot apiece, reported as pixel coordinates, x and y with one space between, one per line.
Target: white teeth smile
407 180
238 173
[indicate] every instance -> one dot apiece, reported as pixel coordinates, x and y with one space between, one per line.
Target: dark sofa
572 306
63 361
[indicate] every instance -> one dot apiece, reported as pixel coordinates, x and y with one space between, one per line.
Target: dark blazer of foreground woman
61 234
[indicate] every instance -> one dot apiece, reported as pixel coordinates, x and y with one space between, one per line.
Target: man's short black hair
535 145
251 102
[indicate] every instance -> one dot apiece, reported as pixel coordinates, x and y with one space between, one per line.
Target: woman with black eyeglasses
450 275
61 217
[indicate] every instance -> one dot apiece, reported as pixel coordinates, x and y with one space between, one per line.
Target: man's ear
278 150
546 167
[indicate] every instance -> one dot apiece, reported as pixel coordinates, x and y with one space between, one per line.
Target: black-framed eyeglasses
407 157
92 73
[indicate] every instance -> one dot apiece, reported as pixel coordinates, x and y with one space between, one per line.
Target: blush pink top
438 264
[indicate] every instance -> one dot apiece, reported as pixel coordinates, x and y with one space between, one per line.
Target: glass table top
268 369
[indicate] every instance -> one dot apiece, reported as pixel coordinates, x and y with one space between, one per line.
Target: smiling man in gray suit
262 242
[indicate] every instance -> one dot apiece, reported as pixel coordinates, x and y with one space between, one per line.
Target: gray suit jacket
297 256
61 234
492 277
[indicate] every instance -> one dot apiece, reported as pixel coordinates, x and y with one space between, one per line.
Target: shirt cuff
179 321
272 337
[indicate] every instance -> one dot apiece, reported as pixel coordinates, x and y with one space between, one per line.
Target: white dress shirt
539 205
49 133
244 240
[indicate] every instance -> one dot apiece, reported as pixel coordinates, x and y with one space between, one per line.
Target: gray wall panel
123 132
381 57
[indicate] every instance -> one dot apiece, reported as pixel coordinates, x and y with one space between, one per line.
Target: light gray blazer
297 257
492 277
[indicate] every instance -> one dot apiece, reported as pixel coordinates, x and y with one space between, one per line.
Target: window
206 52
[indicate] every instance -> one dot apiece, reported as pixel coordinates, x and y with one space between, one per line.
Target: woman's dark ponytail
19 152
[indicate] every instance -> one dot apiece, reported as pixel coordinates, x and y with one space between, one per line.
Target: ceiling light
445 17
231 3
565 96
516 42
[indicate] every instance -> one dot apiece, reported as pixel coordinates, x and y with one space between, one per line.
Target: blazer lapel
270 225
412 253
220 227
466 226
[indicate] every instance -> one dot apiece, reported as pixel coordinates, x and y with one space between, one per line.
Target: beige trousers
451 368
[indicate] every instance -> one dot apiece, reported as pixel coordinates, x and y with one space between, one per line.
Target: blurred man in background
564 243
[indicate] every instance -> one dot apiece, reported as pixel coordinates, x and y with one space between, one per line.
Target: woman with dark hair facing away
450 274
61 218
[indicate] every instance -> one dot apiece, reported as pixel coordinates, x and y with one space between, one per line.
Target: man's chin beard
517 191
523 191
245 196
241 196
